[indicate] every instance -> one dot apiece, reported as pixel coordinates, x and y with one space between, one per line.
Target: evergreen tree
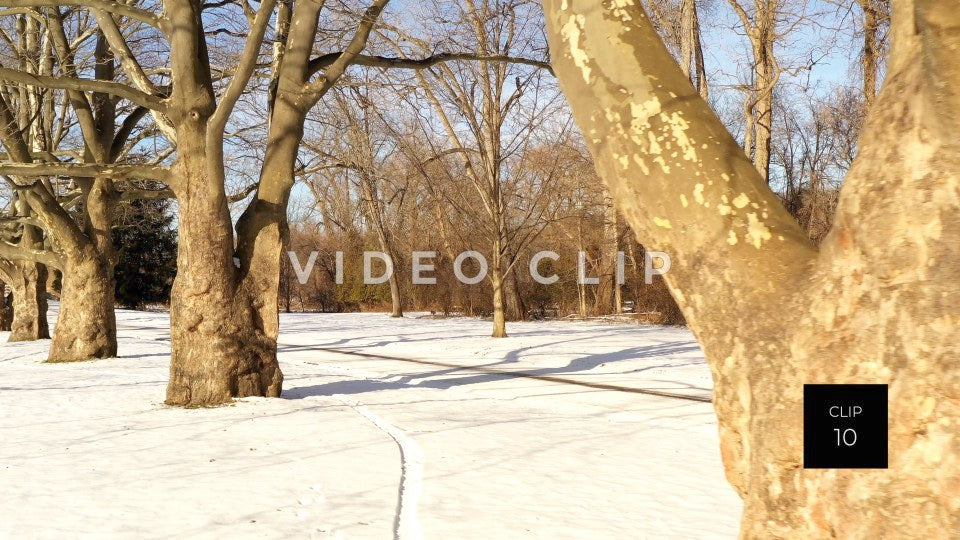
146 243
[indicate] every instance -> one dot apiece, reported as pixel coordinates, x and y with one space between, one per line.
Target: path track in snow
406 524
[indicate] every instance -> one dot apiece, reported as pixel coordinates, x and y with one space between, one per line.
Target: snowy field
367 447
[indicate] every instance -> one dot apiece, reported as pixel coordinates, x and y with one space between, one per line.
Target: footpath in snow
368 447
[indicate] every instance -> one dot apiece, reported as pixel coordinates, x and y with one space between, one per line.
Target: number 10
843 437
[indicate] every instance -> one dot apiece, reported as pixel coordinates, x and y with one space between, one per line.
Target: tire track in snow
406 525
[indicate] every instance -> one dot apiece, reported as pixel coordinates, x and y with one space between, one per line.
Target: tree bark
497 284
610 246
770 311
375 214
86 326
222 346
29 303
870 54
515 308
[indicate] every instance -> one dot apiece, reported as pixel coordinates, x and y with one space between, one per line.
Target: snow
366 447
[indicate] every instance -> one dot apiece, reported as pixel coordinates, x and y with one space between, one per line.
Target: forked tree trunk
29 303
219 346
222 347
86 326
770 311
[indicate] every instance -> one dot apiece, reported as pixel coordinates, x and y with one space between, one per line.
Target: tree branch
106 5
84 170
388 62
13 252
248 61
85 85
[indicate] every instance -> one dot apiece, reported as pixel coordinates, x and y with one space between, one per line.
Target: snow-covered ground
364 447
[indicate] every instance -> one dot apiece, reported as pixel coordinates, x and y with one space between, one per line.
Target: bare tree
875 24
772 311
487 99
362 145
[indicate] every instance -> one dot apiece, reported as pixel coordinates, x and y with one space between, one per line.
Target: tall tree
773 312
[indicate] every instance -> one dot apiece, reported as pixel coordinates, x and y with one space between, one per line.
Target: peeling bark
770 311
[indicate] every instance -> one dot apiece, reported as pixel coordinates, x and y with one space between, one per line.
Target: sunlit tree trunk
29 322
221 346
772 312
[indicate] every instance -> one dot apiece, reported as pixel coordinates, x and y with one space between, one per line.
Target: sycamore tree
876 303
185 64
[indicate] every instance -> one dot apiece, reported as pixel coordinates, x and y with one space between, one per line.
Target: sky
824 41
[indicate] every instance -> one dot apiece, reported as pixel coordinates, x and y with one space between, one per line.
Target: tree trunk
869 56
496 280
224 316
771 312
29 303
606 290
516 309
221 347
6 309
86 326
374 210
396 302
764 81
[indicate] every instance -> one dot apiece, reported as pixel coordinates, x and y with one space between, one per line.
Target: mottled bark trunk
86 325
770 311
221 348
29 303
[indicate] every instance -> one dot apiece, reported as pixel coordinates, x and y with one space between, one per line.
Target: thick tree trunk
221 347
29 303
86 326
770 311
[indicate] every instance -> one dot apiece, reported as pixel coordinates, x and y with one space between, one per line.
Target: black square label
845 426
